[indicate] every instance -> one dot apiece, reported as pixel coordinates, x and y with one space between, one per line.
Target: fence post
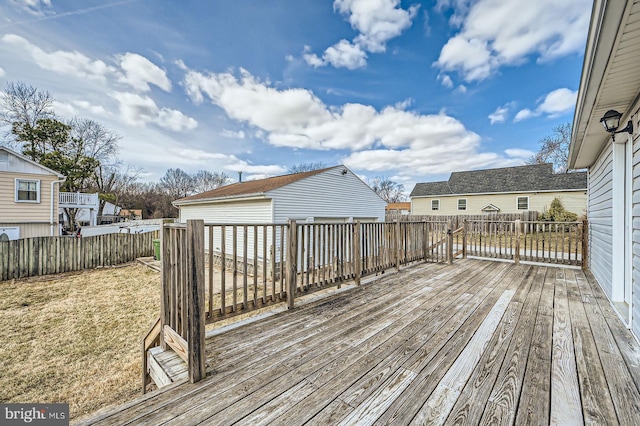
165 279
585 244
450 242
292 268
357 257
398 244
195 300
516 255
464 239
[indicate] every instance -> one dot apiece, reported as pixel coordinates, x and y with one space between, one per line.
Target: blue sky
411 90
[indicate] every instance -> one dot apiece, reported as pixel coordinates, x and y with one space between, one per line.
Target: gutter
51 221
248 197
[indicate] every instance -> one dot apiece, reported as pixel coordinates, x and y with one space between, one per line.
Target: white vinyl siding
435 204
241 212
522 203
254 211
330 195
462 204
27 191
600 219
635 273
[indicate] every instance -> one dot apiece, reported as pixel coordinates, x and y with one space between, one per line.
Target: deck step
166 367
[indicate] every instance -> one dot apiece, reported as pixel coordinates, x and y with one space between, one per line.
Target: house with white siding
610 83
28 197
330 195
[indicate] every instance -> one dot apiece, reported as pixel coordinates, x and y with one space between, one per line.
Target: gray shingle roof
537 177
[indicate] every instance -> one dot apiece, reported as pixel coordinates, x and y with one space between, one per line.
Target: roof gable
251 188
11 161
537 177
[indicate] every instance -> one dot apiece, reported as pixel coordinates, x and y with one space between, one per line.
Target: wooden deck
475 342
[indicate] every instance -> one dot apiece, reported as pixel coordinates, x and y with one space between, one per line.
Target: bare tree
554 149
306 167
97 141
388 190
112 181
205 180
177 184
22 105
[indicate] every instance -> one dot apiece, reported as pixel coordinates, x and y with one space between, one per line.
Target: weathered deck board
566 407
483 336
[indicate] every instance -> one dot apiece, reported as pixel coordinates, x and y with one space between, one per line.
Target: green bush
557 213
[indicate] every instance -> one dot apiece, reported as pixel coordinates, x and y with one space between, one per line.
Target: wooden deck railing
215 271
546 242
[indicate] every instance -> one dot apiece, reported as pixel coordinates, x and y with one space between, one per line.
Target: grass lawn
75 337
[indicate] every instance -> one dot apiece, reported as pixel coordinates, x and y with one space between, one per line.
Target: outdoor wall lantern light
611 122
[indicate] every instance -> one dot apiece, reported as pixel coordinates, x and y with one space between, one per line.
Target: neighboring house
611 81
505 190
334 194
28 197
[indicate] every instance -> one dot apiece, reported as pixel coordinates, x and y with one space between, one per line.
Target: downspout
53 202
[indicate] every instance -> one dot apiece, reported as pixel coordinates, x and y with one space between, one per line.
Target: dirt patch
76 337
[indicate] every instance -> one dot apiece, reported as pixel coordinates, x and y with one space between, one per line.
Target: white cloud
136 110
558 102
500 114
341 55
446 81
519 153
175 120
389 139
554 104
230 162
376 21
232 135
524 114
139 110
2 73
139 72
34 7
496 33
63 62
74 108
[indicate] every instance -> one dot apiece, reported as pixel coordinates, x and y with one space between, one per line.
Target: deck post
165 279
398 244
425 240
585 244
516 254
357 257
464 238
292 268
195 300
450 242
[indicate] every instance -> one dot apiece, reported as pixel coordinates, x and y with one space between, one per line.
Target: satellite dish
4 237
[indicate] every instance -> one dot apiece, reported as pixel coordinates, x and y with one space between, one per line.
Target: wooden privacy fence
457 220
30 257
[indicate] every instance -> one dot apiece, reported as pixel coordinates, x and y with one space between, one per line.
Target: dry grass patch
76 337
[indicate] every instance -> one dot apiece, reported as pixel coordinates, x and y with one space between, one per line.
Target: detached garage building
331 195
